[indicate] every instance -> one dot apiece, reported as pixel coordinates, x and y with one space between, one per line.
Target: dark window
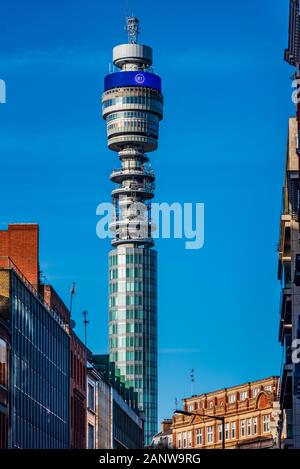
91 397
91 444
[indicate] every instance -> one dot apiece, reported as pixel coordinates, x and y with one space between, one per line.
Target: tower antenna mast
133 29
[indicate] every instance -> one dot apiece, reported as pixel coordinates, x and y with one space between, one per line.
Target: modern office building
127 425
35 350
79 355
251 413
132 105
113 419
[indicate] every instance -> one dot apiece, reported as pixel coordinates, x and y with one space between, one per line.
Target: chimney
166 425
20 243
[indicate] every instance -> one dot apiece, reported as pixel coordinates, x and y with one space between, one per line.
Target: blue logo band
119 79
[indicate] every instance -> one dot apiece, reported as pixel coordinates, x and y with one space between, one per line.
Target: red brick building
79 357
251 412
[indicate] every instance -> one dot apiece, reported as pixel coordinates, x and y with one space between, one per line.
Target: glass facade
39 378
127 426
133 325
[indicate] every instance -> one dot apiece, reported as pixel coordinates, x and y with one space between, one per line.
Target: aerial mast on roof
133 29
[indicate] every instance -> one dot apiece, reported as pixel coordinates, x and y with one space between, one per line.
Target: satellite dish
72 324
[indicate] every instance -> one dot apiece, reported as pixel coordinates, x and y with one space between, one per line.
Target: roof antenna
85 322
72 293
133 29
192 378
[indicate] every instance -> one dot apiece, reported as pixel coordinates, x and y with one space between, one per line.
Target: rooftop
222 390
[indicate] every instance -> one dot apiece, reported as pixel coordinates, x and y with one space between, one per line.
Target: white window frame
179 435
254 425
220 431
243 395
189 438
266 423
249 426
243 428
227 431
199 439
231 398
233 430
210 434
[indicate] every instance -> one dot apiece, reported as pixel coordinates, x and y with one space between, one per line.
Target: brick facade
79 357
20 243
251 414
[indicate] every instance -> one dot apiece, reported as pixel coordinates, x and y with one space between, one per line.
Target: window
243 427
199 436
184 440
243 395
227 431
3 363
220 432
233 430
266 423
211 404
249 426
254 425
179 440
210 434
255 391
268 388
91 443
91 397
191 408
231 398
189 439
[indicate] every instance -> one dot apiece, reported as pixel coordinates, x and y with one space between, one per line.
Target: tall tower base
133 324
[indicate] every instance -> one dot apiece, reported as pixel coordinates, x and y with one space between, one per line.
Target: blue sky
222 142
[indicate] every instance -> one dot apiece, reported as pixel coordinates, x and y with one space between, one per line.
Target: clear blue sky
222 142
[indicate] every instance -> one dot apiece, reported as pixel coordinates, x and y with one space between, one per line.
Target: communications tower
132 105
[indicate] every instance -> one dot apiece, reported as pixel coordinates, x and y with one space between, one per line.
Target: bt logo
139 78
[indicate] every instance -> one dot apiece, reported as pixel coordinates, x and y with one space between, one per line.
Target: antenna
133 29
192 378
72 293
176 403
85 322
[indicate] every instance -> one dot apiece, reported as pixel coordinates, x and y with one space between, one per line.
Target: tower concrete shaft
132 105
